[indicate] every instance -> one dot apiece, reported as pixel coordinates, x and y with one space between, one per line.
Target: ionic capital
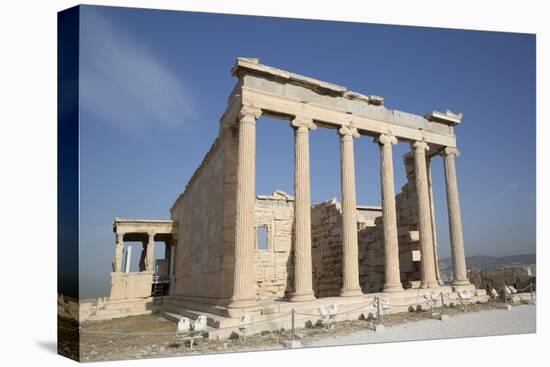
302 124
348 131
449 151
384 139
418 145
249 114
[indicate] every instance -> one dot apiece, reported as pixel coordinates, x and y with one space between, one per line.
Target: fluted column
455 222
150 252
428 277
303 288
119 252
350 252
243 271
432 216
389 217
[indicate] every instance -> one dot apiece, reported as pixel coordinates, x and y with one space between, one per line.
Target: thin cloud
508 190
125 84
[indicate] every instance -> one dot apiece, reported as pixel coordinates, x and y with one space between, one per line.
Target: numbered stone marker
200 323
184 325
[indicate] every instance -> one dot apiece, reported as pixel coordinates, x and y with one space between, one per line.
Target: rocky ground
154 336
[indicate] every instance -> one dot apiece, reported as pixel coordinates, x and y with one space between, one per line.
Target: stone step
172 316
276 314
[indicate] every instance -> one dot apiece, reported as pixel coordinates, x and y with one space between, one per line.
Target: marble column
432 215
350 251
427 266
455 223
150 252
119 252
128 259
243 270
303 287
389 216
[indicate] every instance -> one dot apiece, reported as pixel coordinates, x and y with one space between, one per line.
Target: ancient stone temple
231 252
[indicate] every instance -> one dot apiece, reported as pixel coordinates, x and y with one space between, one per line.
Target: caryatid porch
307 104
129 285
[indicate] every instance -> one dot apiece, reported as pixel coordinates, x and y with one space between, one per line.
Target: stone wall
326 232
326 218
199 213
274 266
326 248
131 285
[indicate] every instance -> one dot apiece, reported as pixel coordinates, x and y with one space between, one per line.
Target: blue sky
154 84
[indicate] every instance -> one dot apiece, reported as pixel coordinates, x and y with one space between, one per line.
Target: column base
242 303
460 282
392 288
301 297
351 292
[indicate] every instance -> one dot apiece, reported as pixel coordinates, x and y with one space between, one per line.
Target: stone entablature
280 93
131 226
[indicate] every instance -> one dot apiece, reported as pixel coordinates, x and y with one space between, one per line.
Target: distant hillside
484 261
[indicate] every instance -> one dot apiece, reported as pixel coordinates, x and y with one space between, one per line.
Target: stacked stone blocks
274 266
